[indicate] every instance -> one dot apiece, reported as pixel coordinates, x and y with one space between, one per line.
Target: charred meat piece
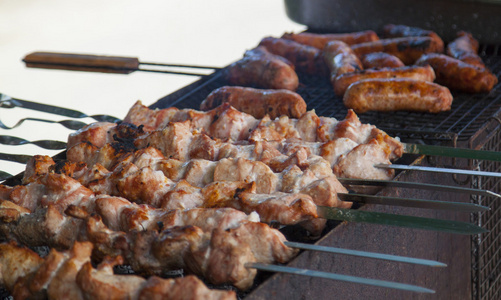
379 60
407 49
306 59
458 75
340 59
397 94
257 102
261 68
465 48
412 72
395 31
319 40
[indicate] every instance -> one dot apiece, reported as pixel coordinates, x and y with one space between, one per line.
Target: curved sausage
341 59
458 75
306 59
393 31
319 40
465 48
342 82
259 68
407 49
257 102
378 60
392 94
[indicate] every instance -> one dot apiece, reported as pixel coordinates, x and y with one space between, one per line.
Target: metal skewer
439 170
340 277
105 64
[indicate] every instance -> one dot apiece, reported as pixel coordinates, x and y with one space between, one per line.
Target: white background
215 33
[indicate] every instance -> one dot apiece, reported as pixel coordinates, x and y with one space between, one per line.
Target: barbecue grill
473 122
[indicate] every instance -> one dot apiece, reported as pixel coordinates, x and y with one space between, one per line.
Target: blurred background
195 32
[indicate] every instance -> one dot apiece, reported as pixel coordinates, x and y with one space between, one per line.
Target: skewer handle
82 62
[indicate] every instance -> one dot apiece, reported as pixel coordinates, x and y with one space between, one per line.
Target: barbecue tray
473 262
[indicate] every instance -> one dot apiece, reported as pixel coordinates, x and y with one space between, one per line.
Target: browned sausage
319 40
259 68
257 102
414 72
305 58
407 49
458 75
378 60
393 31
393 94
465 48
340 59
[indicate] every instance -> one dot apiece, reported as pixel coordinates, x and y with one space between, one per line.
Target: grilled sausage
257 102
378 60
394 31
342 82
341 59
392 94
407 49
305 58
465 48
458 75
319 41
261 69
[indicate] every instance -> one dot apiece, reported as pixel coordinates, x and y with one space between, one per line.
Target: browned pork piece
407 49
257 102
306 59
319 40
70 275
458 75
340 59
261 68
395 31
219 255
378 60
413 72
465 48
397 94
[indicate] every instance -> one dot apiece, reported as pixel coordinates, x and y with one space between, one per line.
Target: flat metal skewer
339 277
389 257
439 170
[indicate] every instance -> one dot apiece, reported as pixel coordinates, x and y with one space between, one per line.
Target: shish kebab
9 102
42 226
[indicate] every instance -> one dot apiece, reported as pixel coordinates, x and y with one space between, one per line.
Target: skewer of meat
306 59
407 49
309 127
257 102
319 40
465 48
262 69
458 75
395 31
70 274
190 247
